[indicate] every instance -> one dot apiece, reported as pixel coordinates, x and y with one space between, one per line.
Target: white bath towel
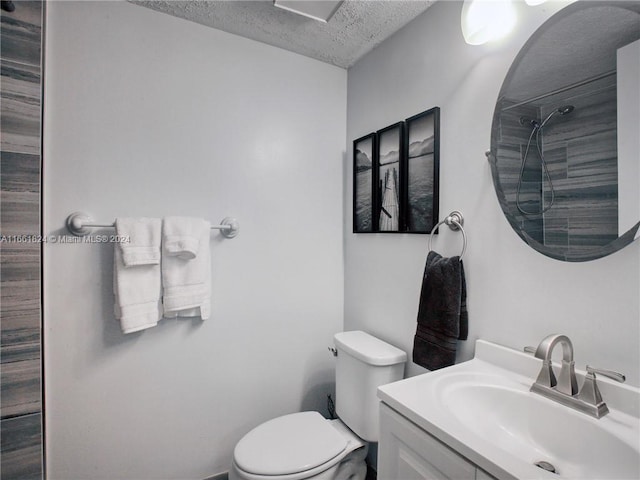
181 236
137 285
141 240
186 282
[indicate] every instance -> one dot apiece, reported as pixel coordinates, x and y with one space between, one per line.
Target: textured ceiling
356 28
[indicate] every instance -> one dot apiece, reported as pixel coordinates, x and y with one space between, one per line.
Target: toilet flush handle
334 351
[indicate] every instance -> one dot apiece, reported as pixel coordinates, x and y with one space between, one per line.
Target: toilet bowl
307 446
301 445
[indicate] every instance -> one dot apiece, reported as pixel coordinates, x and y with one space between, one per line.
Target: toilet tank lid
368 348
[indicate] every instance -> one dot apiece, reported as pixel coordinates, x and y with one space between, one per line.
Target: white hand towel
143 247
186 283
181 236
137 285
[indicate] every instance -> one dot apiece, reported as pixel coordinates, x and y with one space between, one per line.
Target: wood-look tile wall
580 150
582 157
20 256
512 148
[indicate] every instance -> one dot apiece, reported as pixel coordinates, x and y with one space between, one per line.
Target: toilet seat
289 444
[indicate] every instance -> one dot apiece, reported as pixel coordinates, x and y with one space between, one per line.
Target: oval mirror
565 142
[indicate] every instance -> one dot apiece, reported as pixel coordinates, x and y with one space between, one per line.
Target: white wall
146 114
516 296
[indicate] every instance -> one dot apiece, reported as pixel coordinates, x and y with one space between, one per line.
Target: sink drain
545 466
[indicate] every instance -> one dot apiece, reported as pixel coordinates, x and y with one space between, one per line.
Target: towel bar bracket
233 225
77 224
80 225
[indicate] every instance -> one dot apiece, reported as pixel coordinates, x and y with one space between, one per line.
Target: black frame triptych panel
365 152
389 172
396 177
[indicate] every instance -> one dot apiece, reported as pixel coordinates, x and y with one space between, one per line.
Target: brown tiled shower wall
20 251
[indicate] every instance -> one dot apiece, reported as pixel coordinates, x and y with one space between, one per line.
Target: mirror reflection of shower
537 130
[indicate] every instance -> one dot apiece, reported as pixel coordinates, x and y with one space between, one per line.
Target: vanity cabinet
407 452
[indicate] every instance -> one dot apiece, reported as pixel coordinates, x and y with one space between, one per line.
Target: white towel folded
181 236
136 276
186 282
143 245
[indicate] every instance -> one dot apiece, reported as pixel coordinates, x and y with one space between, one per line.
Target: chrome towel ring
455 221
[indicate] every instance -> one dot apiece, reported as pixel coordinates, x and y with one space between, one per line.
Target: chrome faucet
564 390
567 382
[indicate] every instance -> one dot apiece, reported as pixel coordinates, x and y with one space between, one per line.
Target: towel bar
455 221
80 224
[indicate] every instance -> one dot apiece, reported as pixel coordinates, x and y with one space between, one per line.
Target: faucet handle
590 393
618 377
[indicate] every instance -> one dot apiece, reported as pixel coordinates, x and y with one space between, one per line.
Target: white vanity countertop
423 400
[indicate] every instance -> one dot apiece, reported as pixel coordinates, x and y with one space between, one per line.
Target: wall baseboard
219 476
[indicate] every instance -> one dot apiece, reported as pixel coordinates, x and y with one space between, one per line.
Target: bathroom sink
483 410
535 429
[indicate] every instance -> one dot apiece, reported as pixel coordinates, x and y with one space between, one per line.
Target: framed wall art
421 188
388 197
364 164
396 177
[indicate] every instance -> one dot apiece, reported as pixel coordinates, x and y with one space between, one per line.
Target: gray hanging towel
442 313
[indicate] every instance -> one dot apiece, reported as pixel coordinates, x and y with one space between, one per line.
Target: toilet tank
364 363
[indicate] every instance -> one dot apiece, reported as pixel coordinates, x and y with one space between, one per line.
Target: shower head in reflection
563 110
537 129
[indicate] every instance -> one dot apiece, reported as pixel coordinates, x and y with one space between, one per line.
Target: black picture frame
365 150
388 176
421 188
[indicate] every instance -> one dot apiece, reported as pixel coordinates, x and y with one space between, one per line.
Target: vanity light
487 20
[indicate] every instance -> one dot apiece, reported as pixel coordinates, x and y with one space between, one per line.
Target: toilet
305 445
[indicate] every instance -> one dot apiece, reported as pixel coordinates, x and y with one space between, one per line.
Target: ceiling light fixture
486 20
321 10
